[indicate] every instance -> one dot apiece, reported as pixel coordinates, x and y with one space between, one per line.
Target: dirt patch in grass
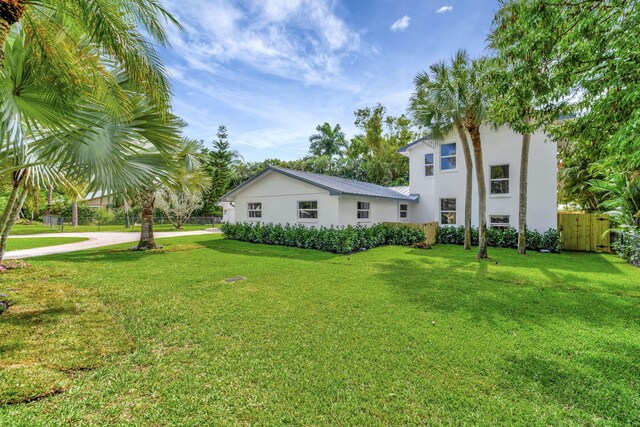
52 332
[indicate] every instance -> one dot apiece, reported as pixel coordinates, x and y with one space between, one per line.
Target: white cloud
401 24
444 9
301 40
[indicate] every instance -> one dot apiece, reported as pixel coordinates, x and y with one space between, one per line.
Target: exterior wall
280 195
228 211
500 147
98 203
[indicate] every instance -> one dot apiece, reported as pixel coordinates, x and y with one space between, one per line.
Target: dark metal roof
334 185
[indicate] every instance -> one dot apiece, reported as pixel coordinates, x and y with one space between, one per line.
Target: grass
390 336
38 228
39 242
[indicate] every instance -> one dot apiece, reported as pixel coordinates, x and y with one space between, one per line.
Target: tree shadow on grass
31 317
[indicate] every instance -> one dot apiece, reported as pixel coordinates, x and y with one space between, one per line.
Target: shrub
627 246
503 238
340 240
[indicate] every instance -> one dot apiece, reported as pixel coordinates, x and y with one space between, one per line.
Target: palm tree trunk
49 200
74 213
474 132
10 13
15 211
524 171
469 184
147 200
13 196
127 220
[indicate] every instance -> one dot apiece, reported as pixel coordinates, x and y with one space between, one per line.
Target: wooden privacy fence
430 229
584 232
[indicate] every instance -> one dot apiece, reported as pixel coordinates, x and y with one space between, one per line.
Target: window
447 211
499 221
500 179
404 211
364 209
448 156
255 210
428 164
308 210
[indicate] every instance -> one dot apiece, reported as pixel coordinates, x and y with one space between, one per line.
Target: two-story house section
438 170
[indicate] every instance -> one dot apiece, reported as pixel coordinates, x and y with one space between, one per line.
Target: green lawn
39 242
38 228
390 336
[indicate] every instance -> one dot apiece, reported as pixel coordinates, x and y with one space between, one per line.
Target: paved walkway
96 240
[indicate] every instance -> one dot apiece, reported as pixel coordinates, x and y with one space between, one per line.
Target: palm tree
62 30
187 174
438 103
328 141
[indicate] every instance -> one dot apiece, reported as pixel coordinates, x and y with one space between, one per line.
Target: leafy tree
329 141
580 163
438 103
218 165
178 205
589 64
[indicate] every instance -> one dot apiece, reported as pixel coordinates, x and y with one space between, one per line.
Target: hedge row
503 238
627 246
339 240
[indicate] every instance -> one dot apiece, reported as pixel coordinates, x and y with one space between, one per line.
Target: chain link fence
61 224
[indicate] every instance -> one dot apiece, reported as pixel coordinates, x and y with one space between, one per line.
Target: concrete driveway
96 240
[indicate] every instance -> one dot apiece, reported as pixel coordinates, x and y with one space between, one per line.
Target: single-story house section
279 195
98 200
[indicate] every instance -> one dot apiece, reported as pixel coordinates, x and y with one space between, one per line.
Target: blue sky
272 70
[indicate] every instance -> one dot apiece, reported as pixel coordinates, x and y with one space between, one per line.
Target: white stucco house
279 195
436 190
437 175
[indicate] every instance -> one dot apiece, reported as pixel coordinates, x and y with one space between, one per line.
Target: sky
273 70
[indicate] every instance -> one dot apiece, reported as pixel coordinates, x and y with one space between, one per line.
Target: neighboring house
278 195
437 175
97 200
228 211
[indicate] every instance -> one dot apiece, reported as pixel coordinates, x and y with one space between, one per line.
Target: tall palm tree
329 141
439 104
126 30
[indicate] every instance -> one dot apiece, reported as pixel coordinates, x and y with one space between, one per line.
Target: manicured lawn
37 242
390 336
38 228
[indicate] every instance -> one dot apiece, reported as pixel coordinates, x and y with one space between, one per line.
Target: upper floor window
448 156
500 179
364 210
308 210
428 164
448 211
254 210
499 221
404 211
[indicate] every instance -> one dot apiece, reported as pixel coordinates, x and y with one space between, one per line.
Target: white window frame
366 210
401 211
454 156
454 212
432 164
508 179
494 224
299 210
252 209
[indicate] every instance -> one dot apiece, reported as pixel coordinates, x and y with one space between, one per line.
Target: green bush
503 238
339 240
627 246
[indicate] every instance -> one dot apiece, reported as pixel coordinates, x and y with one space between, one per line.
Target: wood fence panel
584 232
430 229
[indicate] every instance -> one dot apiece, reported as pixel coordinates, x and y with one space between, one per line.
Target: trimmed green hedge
341 240
627 246
503 238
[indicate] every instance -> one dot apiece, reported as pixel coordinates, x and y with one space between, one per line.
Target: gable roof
425 139
336 186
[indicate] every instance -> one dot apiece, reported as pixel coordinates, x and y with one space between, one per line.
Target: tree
621 193
329 141
218 165
60 30
177 206
438 103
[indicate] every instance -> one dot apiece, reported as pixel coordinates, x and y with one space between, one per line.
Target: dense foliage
340 240
627 246
503 238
